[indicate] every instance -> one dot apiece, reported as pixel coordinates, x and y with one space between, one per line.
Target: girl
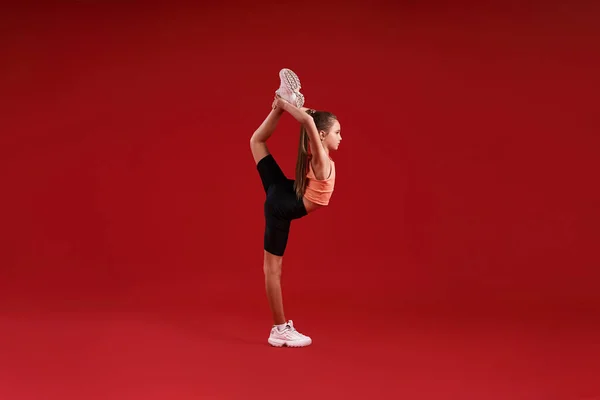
288 199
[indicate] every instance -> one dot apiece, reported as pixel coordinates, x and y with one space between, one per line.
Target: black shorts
281 205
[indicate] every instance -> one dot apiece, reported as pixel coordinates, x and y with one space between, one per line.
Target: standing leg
284 334
272 269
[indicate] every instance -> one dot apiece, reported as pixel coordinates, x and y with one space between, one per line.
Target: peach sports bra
320 191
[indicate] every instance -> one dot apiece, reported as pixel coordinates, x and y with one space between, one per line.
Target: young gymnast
288 199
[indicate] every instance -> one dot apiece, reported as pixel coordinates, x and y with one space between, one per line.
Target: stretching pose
288 199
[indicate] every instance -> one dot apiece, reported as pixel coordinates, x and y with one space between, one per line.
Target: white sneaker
289 336
289 90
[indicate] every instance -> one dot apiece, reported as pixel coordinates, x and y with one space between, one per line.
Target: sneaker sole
299 100
295 343
290 79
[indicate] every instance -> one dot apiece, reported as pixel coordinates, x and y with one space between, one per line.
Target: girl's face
332 139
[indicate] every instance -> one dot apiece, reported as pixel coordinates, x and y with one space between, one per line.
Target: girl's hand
279 102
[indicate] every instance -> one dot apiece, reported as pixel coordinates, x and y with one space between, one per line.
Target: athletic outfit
282 205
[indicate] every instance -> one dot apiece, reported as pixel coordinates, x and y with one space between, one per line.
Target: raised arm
320 160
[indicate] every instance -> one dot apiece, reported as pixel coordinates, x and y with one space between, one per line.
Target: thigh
270 172
281 207
283 201
277 231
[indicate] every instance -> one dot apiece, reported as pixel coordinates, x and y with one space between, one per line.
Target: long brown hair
323 120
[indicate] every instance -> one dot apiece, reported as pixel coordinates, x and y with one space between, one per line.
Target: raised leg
263 133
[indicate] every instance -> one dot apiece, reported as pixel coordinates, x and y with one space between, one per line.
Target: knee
254 145
253 141
272 265
258 148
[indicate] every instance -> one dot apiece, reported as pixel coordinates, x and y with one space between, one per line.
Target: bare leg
263 133
272 268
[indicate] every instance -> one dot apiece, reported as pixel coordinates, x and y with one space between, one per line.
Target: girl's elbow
307 120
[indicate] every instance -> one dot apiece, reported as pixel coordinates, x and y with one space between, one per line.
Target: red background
458 258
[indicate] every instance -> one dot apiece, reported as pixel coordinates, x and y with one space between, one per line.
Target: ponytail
301 164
